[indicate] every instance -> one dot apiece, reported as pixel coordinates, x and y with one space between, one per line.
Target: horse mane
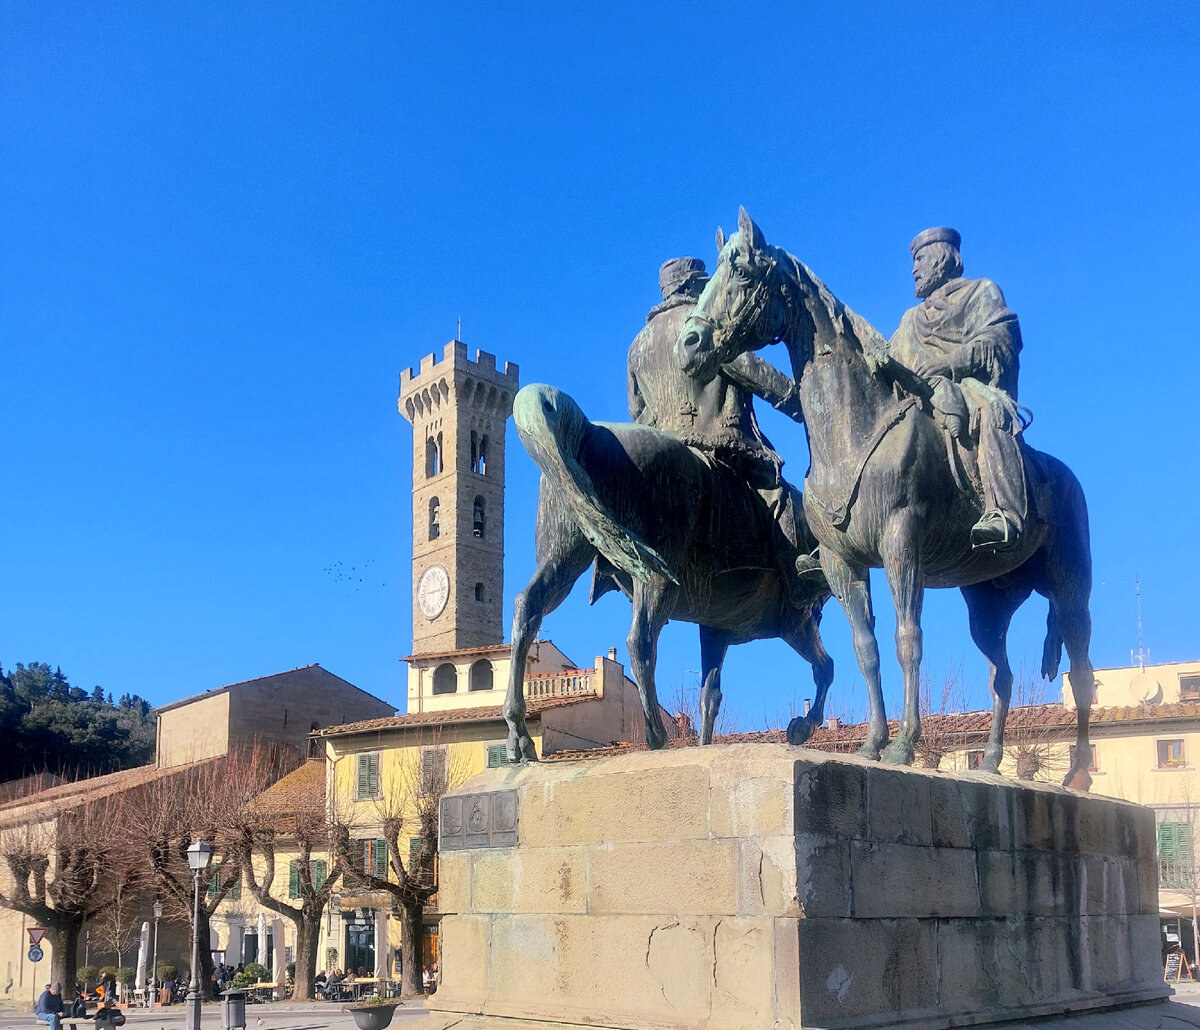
847 323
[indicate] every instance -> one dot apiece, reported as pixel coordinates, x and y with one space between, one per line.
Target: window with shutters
496 755
317 868
368 777
1189 688
368 856
214 885
1175 855
433 772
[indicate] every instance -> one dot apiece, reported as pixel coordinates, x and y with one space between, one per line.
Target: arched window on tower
431 468
435 514
445 679
478 591
314 745
479 526
479 453
481 675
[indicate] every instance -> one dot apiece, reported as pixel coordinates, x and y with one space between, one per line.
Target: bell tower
458 409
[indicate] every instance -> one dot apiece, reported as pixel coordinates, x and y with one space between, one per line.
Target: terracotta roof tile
299 791
490 713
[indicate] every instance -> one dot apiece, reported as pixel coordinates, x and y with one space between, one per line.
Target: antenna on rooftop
1142 654
459 336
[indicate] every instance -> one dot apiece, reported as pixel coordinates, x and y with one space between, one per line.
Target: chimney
834 722
807 705
612 654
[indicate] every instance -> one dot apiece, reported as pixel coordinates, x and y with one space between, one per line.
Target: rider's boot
996 531
808 566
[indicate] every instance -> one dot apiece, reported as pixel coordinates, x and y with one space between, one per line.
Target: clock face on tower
433 591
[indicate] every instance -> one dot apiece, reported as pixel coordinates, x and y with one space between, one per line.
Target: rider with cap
716 418
965 342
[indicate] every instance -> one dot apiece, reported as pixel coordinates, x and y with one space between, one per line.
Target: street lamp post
198 856
154 975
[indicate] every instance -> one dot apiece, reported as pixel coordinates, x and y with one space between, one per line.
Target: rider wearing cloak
965 342
716 418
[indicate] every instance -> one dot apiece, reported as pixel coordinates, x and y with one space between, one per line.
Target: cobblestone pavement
280 1016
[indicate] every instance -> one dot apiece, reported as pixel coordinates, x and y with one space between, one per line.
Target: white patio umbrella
262 958
279 973
143 956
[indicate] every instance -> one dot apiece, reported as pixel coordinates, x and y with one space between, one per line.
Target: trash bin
233 1009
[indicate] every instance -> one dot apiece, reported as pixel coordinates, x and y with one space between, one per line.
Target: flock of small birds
354 576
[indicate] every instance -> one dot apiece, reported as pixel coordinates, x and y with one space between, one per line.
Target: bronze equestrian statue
684 511
891 487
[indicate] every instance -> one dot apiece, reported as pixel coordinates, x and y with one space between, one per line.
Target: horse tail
1052 648
553 429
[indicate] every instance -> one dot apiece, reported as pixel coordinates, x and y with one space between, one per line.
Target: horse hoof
869 752
1078 779
799 730
898 753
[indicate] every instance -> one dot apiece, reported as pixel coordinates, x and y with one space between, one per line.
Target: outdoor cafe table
361 985
262 992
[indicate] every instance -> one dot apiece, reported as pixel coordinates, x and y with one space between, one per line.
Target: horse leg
547 589
990 610
651 604
902 564
713 646
804 637
852 587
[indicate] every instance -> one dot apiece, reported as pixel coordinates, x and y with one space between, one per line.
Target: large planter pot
373 1017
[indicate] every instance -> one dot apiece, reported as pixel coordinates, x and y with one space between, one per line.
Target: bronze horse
650 511
882 492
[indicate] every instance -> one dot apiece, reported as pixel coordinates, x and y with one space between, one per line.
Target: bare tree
937 737
404 814
293 814
205 800
117 929
63 871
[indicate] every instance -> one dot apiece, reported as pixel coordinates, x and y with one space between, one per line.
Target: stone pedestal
751 886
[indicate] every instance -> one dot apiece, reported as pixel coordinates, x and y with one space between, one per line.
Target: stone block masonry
746 886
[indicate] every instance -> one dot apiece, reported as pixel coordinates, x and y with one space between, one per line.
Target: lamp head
199 855
158 910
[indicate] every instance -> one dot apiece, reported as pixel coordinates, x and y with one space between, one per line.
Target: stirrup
984 535
809 565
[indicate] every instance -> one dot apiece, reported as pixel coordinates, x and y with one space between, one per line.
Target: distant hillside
51 727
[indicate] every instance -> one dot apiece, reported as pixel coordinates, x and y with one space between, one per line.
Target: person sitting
50 1007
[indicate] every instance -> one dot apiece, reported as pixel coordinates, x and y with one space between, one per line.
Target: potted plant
373 1014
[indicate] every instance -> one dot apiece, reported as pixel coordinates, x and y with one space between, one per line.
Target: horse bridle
757 295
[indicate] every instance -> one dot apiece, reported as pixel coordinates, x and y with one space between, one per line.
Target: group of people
339 985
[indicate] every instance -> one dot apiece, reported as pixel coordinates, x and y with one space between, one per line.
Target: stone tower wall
451 399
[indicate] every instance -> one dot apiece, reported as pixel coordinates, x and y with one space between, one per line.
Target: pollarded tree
62 871
288 822
203 801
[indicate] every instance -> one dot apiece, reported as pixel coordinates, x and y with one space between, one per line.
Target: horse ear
720 239
750 232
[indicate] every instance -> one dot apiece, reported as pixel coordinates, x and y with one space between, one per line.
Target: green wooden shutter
497 756
364 780
373 775
235 889
1175 854
213 882
319 873
294 879
379 860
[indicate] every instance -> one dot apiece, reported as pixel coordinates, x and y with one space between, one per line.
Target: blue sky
225 228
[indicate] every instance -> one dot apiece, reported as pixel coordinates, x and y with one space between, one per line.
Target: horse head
741 309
